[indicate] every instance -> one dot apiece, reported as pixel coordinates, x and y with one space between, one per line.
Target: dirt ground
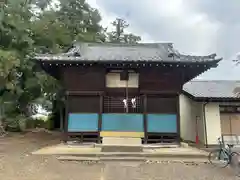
17 162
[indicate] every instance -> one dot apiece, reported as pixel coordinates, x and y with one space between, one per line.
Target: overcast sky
199 27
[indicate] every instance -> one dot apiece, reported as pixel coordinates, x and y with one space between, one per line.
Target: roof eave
212 63
211 99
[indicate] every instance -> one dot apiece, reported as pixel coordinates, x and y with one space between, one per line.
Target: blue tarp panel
122 122
78 122
162 123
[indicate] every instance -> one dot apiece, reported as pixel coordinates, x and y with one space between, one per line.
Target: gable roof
153 52
213 89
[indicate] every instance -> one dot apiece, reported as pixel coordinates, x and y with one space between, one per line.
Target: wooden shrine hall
123 90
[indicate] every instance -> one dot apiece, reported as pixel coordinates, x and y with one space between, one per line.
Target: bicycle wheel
218 158
235 163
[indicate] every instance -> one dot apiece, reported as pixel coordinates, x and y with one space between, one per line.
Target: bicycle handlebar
220 143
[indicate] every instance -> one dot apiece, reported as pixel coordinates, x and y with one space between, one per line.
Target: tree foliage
28 27
35 26
119 35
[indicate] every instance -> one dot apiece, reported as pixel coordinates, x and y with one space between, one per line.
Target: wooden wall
84 79
156 104
154 81
84 103
159 80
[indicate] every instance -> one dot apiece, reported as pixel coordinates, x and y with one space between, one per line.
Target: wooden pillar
100 117
61 120
66 119
145 118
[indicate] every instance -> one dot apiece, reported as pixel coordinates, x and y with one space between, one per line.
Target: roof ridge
127 44
212 55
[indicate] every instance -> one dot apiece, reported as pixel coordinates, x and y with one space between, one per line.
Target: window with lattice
132 104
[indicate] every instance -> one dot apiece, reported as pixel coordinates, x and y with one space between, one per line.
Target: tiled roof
154 52
213 89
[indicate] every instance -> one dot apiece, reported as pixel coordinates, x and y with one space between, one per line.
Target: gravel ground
16 162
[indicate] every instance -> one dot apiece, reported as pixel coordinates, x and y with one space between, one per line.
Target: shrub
49 124
40 122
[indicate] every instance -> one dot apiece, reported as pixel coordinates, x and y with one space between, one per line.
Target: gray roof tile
155 52
213 89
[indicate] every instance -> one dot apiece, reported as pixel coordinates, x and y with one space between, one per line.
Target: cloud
107 17
194 26
227 14
171 20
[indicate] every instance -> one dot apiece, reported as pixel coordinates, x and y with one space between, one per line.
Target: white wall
213 124
190 111
201 126
186 121
113 80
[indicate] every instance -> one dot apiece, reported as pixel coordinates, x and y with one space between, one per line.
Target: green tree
81 20
16 47
119 36
32 26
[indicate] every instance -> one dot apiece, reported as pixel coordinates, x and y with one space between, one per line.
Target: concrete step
77 158
148 160
140 154
121 141
116 158
96 159
177 160
158 146
121 148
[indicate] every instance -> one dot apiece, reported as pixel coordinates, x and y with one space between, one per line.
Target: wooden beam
149 92
84 92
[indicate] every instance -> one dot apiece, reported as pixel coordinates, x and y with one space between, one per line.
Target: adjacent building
209 109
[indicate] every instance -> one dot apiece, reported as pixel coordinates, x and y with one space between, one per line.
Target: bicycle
225 156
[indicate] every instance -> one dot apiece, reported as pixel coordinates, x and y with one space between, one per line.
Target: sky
196 27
